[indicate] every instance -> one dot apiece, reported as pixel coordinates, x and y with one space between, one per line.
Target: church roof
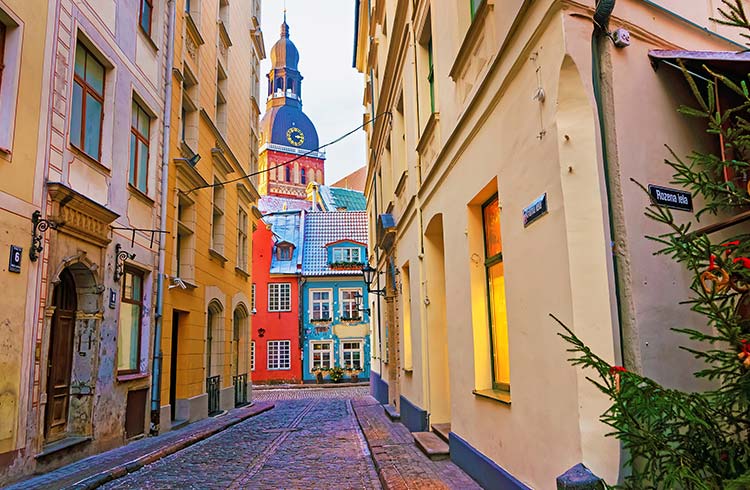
284 53
278 120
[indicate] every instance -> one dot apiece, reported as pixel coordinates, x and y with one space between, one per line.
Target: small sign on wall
671 198
112 298
14 263
535 210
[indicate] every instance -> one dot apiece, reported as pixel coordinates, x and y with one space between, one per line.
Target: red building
277 263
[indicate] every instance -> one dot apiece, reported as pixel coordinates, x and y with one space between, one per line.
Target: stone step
430 444
391 412
442 430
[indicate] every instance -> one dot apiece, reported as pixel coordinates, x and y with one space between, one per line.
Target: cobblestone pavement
310 440
298 394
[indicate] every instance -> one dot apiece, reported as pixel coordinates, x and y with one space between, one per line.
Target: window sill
497 395
242 272
121 378
86 158
147 38
218 256
140 195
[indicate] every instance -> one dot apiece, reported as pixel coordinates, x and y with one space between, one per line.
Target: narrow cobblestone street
310 440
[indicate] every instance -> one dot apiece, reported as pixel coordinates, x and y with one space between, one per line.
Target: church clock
295 136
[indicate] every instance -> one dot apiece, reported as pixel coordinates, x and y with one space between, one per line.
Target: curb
123 469
379 468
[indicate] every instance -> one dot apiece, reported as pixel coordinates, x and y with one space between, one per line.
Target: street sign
671 198
535 210
14 263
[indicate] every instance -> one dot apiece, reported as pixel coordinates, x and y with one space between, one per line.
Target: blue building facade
335 332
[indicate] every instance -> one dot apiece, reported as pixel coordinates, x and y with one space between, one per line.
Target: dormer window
284 251
352 255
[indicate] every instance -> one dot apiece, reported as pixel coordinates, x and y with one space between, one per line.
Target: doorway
60 359
173 363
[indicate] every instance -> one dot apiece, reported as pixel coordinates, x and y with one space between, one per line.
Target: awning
724 62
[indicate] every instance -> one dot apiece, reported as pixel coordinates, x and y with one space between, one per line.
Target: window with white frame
242 239
252 355
280 297
352 354
349 301
252 299
279 355
347 254
321 355
320 304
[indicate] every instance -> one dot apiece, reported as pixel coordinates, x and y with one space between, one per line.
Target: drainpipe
156 370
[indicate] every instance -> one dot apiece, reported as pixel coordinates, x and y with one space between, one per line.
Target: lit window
320 304
279 355
350 303
139 148
321 355
129 326
352 355
87 111
280 297
493 248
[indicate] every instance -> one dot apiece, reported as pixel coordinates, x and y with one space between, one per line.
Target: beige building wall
515 114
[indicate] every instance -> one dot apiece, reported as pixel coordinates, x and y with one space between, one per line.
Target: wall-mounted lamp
358 297
369 275
193 160
39 226
120 257
261 332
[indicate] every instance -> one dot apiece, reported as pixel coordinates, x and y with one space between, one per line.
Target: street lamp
361 307
369 275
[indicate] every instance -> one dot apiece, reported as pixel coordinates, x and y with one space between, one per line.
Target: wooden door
173 364
60 360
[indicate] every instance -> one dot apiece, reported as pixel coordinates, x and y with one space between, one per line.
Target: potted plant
319 373
336 374
353 373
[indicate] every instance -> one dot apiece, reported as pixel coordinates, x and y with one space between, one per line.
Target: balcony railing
240 389
212 388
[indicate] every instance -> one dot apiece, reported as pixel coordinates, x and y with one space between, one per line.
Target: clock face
295 136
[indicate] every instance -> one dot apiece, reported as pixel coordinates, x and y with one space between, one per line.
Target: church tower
285 131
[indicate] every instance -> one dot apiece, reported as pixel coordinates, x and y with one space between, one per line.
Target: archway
239 354
214 361
438 370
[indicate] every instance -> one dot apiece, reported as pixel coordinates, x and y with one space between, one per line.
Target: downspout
156 370
602 14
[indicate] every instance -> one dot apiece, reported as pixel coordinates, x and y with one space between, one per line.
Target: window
252 299
350 303
242 239
284 251
184 248
302 176
352 355
189 110
221 100
496 294
474 5
252 355
320 304
187 6
279 355
347 255
406 318
280 297
321 354
147 7
129 327
287 174
431 74
87 111
2 51
139 149
217 222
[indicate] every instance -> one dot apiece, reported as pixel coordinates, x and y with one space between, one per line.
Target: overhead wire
252 174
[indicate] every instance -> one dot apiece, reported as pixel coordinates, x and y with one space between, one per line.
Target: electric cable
247 176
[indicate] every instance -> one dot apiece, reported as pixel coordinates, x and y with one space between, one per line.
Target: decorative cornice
221 161
192 29
189 173
472 36
294 151
83 218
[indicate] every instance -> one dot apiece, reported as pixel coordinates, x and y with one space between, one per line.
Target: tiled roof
324 228
286 227
338 199
272 204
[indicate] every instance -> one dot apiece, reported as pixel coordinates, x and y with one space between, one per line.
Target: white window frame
331 360
252 300
280 303
279 365
346 254
342 303
314 302
252 355
361 351
14 28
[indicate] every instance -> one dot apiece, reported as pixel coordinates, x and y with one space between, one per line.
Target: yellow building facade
499 167
23 29
211 213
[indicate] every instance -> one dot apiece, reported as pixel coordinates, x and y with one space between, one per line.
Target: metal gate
240 389
212 388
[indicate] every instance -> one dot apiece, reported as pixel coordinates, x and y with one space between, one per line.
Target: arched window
287 174
213 337
290 84
279 84
302 176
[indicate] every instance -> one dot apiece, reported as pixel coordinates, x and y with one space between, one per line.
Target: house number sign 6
14 263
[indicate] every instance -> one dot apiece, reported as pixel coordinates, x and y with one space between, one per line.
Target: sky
323 31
